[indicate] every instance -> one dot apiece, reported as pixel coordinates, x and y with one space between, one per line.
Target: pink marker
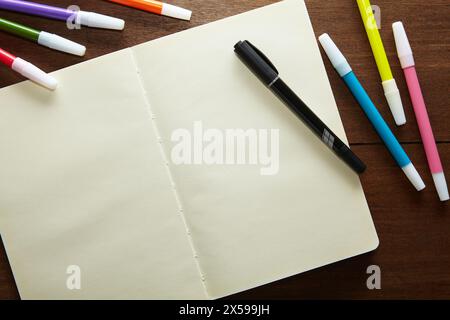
407 62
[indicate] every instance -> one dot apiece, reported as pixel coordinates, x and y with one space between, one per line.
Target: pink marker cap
403 47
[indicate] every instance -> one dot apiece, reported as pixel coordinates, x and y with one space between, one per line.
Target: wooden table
414 228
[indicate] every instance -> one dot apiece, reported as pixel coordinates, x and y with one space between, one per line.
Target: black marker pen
261 66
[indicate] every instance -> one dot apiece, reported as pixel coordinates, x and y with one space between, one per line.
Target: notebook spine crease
160 140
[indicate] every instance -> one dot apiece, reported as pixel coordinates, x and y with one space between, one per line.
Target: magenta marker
407 61
90 19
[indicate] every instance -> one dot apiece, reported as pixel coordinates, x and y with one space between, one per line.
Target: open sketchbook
89 187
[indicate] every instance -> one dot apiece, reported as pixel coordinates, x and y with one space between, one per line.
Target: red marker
27 70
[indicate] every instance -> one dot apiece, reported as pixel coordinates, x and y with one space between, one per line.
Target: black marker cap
256 61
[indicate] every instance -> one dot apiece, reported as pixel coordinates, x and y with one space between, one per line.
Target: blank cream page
87 209
249 229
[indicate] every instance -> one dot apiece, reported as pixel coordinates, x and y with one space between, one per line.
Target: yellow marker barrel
375 39
389 85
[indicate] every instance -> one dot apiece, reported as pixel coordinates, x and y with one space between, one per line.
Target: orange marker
157 7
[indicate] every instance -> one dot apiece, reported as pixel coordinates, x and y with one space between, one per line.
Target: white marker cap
414 176
56 42
96 20
34 73
394 101
403 47
335 55
441 186
175 12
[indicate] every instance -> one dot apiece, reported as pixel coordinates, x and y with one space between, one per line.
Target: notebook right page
288 204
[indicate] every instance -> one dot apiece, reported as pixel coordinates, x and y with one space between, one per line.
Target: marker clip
262 56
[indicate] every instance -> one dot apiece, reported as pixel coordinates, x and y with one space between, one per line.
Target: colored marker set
53 41
404 51
258 63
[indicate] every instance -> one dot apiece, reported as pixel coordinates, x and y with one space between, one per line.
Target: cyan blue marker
345 71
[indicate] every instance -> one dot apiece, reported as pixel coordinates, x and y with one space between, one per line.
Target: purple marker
85 18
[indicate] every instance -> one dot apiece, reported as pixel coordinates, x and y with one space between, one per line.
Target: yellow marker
389 85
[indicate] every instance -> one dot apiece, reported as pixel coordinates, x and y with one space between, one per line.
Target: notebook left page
87 208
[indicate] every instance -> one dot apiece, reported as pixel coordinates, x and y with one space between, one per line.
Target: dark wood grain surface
414 228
